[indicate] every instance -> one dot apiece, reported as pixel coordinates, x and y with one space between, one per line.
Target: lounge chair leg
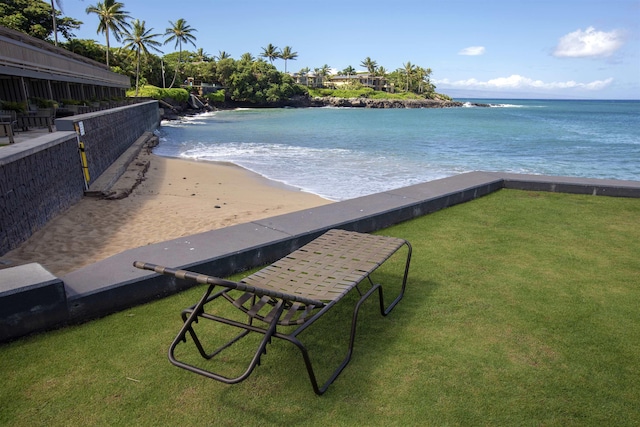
352 337
384 311
198 310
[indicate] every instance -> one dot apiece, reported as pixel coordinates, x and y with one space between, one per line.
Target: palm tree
421 77
181 33
348 71
270 52
140 40
112 18
202 56
224 55
408 70
370 65
287 54
324 72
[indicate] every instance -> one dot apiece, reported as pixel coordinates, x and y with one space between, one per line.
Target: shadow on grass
379 356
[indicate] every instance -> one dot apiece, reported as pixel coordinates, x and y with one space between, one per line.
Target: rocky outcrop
389 103
375 103
175 111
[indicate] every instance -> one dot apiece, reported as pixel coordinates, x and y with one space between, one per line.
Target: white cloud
472 51
516 81
589 43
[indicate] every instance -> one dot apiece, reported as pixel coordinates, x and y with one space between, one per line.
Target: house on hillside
309 79
200 87
374 82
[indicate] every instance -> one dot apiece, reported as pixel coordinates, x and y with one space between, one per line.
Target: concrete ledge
114 284
108 178
31 146
31 299
595 187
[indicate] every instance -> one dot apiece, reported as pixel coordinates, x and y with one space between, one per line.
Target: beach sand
176 198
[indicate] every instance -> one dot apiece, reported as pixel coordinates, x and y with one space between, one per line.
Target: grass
522 309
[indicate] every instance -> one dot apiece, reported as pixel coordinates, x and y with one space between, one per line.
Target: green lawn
522 309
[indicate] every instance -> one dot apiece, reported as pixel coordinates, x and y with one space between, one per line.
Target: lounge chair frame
294 291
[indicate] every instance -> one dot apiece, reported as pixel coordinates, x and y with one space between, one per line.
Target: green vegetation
521 309
180 32
215 97
112 20
43 103
139 40
247 80
18 107
70 102
150 91
34 18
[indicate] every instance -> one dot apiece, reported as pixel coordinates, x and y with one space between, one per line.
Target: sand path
175 199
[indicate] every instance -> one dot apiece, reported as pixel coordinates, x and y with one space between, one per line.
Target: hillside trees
112 20
370 65
140 40
33 17
270 52
180 32
87 48
413 78
288 54
259 82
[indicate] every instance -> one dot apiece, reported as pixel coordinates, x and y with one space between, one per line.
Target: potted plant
72 105
18 107
46 106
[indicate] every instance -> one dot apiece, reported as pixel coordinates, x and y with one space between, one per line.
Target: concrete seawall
41 177
32 299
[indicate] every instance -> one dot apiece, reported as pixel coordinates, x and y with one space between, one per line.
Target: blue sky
486 49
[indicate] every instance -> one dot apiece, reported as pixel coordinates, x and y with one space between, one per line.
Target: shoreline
175 198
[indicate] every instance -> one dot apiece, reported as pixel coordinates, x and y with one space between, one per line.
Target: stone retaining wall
109 133
41 177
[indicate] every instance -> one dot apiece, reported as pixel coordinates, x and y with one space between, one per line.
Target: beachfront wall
107 134
41 177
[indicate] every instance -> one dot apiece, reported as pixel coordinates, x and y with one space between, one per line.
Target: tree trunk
55 23
137 71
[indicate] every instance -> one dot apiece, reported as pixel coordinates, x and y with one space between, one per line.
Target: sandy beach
176 198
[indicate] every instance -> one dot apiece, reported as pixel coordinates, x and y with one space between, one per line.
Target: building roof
26 56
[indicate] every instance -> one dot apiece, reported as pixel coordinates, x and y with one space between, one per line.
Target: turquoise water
345 153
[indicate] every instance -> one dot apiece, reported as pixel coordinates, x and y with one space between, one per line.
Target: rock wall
36 184
386 103
43 177
108 133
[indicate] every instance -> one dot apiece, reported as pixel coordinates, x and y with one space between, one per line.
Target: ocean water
342 153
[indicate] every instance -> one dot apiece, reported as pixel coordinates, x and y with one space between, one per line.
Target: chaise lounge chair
294 291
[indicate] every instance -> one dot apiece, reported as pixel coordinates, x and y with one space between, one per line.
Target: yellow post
83 156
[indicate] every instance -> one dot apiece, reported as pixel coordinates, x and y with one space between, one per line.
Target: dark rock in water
175 112
371 103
